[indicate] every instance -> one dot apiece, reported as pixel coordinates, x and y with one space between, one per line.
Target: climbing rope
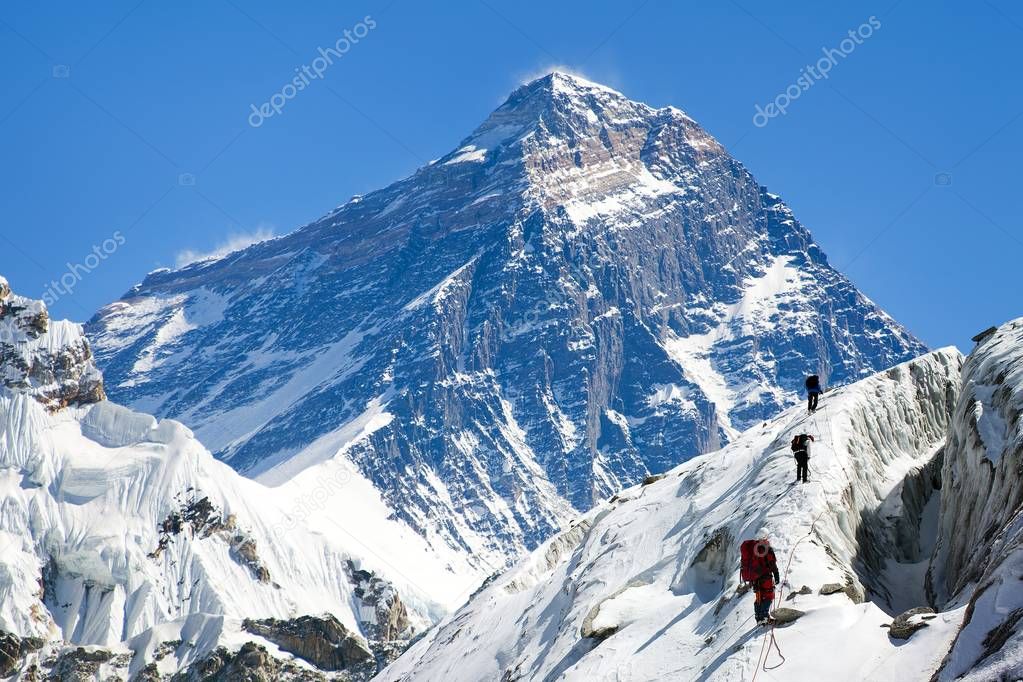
771 641
731 636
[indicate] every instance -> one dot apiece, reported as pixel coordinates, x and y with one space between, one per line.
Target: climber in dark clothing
760 570
813 391
801 450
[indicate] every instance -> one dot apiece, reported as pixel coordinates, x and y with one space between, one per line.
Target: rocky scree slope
585 291
644 587
127 550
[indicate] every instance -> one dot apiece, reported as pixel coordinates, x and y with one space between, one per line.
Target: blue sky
129 122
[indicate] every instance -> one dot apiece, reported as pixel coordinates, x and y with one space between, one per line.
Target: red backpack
753 563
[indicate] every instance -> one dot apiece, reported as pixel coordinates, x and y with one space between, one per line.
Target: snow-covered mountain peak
586 291
559 109
560 92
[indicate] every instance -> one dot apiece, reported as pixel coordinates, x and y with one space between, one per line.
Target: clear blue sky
109 110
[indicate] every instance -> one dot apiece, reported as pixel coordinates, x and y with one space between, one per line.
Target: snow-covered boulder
645 586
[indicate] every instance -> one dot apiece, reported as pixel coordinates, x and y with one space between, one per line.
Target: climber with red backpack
759 568
801 451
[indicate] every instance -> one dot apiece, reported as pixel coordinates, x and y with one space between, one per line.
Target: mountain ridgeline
585 291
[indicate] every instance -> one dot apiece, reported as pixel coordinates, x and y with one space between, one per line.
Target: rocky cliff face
979 557
51 361
587 290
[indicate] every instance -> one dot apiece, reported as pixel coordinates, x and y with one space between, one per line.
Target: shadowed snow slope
121 531
979 557
644 587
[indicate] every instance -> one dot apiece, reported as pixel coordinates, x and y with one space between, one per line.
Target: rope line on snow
771 640
723 645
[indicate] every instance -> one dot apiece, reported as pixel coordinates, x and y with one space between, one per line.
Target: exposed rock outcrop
13 648
50 361
202 519
384 616
79 664
250 663
321 641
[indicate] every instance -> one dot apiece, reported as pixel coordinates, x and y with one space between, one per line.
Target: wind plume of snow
234 242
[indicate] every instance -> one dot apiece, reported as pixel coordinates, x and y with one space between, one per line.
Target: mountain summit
585 291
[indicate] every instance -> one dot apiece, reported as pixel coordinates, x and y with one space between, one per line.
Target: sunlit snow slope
121 531
644 587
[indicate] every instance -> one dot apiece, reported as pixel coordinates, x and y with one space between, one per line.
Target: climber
813 392
801 451
759 568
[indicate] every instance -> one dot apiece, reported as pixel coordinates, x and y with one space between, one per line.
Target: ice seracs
120 532
978 561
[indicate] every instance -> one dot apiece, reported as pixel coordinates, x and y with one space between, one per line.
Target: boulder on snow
588 631
653 478
610 615
805 589
785 615
908 622
851 591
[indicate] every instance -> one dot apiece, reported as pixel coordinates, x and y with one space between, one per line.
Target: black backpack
799 443
813 381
